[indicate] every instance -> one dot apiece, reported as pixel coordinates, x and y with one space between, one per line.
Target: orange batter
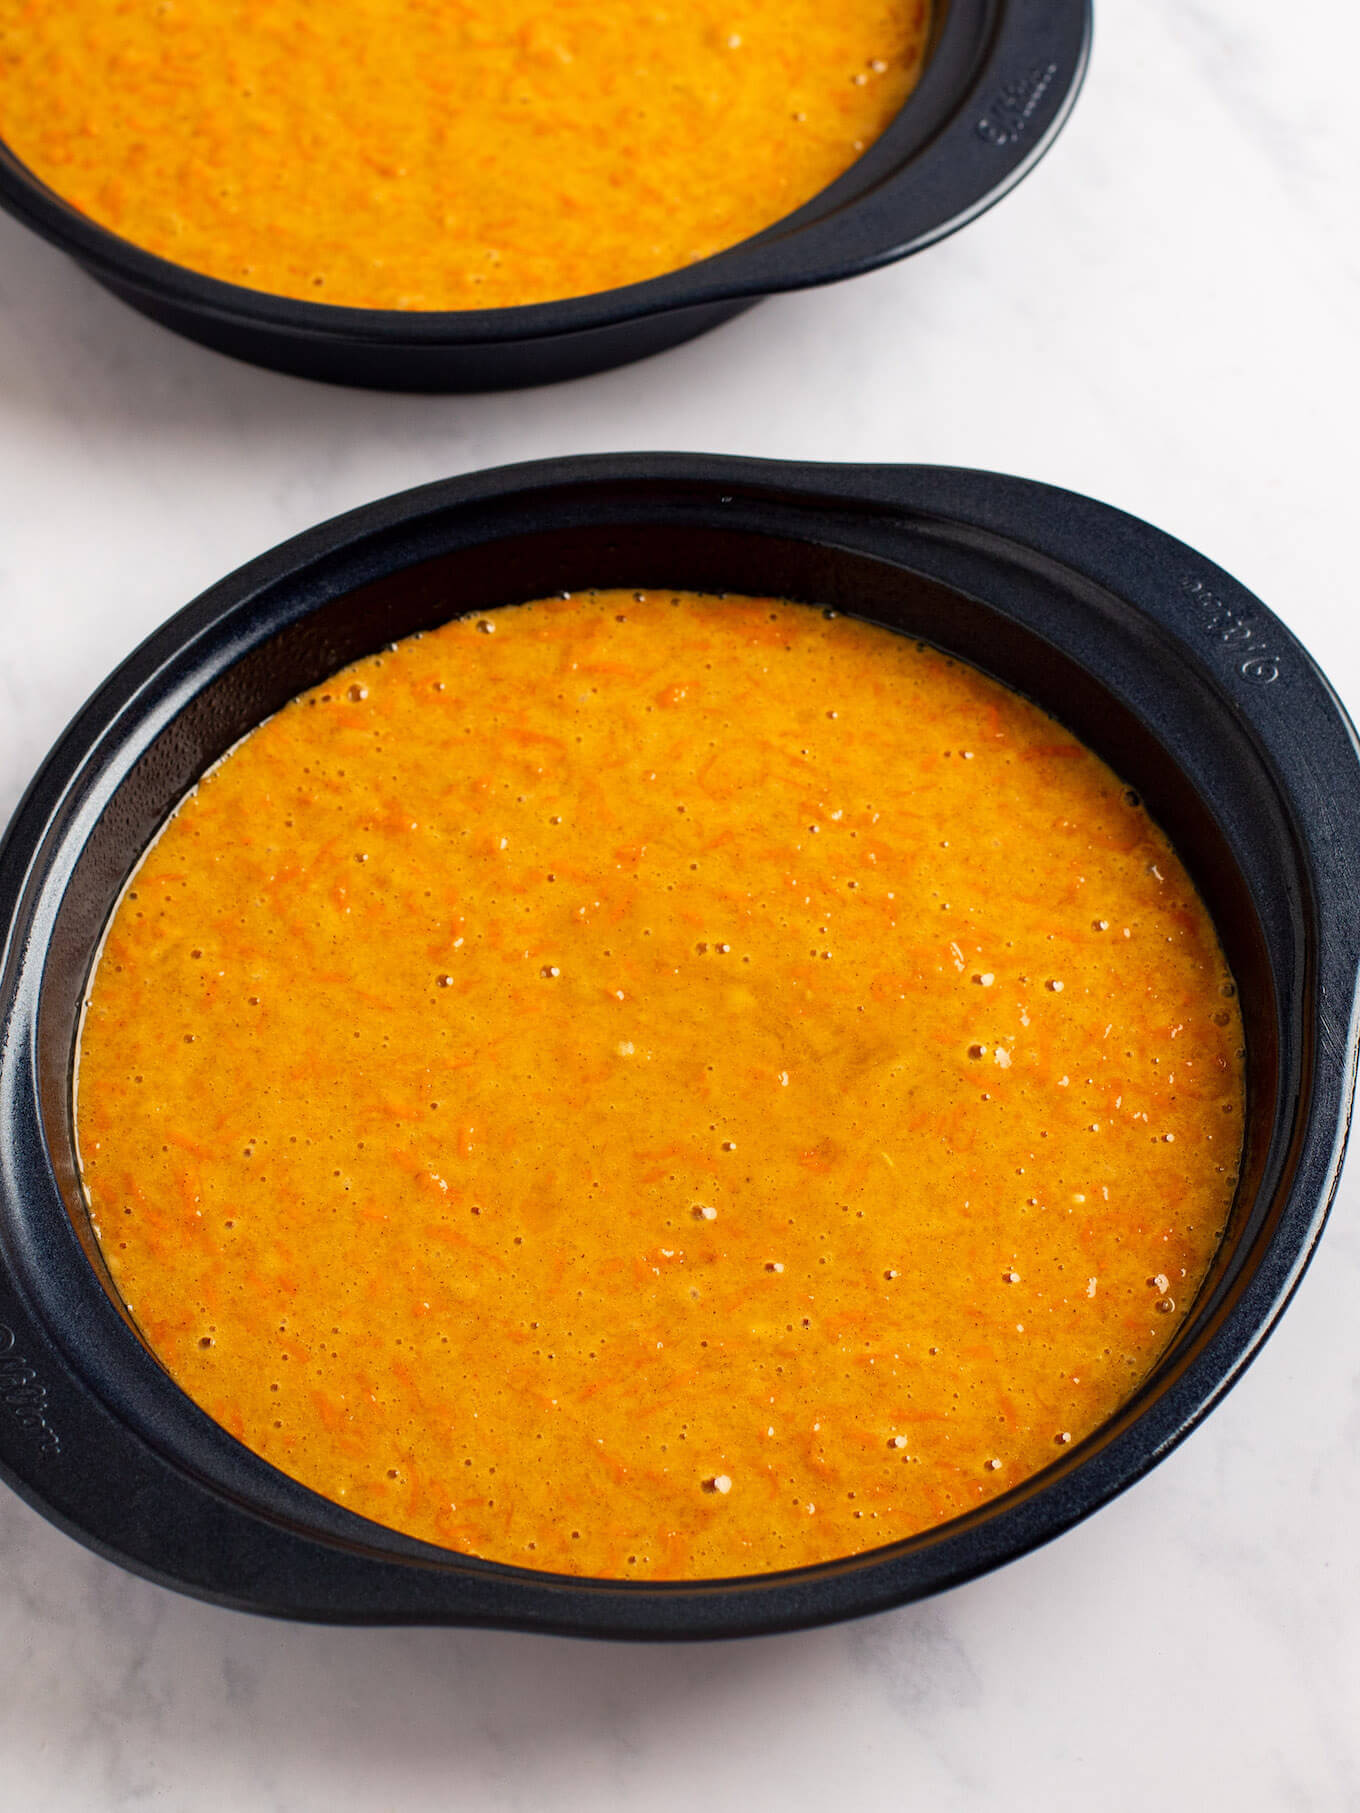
660 1086
447 154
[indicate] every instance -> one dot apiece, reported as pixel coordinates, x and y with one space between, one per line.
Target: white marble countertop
1164 316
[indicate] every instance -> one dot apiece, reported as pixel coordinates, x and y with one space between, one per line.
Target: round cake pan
1182 680
999 82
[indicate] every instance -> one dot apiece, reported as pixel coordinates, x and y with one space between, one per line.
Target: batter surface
447 154
660 1086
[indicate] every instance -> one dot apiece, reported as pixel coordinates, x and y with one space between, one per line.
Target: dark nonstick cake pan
1183 681
1000 79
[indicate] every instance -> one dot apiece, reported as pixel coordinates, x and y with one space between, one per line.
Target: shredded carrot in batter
447 154
660 1086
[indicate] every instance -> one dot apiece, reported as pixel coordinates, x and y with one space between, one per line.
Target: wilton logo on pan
1237 631
1010 113
23 1393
